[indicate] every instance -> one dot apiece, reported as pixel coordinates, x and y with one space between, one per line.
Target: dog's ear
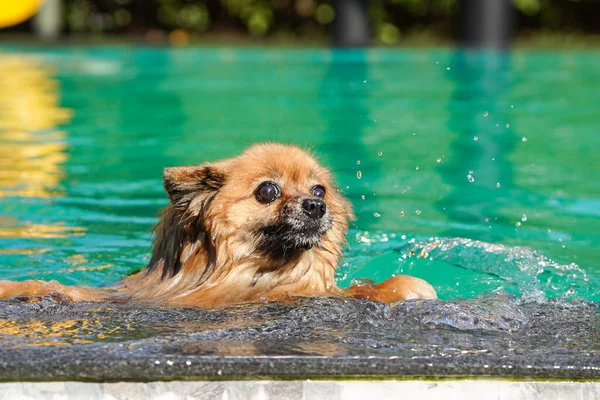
183 184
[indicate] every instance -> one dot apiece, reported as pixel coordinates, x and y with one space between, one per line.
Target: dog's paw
415 288
8 289
31 288
401 287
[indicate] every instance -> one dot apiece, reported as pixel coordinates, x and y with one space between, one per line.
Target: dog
268 225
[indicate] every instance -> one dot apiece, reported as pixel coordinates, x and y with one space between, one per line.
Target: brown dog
267 225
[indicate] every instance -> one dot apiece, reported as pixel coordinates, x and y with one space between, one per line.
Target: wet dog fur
266 225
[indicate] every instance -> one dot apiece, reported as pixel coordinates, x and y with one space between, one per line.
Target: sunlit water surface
429 145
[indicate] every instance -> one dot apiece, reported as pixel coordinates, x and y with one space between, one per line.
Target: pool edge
476 389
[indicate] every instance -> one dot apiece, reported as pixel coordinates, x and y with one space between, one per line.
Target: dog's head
274 202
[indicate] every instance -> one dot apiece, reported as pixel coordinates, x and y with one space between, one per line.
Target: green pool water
434 143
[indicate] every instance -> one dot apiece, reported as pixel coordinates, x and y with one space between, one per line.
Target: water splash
534 276
465 268
497 312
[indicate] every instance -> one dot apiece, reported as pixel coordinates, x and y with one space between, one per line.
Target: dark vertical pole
351 23
485 23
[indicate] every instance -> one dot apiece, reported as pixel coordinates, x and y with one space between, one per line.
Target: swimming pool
428 144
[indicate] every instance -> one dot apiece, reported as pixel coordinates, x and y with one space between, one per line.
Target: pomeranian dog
267 225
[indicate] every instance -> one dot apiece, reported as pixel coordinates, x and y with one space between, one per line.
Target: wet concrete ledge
55 340
331 390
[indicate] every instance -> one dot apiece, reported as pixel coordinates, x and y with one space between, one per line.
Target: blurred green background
393 22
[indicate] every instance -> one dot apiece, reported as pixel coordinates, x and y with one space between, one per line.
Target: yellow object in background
13 12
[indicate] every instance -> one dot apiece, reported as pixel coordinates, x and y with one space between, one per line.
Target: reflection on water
31 150
16 333
12 228
343 99
78 263
478 169
292 346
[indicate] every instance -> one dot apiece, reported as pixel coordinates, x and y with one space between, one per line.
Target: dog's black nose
314 208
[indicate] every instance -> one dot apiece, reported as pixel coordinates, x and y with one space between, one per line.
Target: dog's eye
267 192
318 191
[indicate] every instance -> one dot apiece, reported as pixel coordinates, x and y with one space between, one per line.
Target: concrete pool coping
304 389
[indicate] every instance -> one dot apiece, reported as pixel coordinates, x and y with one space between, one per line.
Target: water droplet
380 153
188 363
156 362
523 139
408 187
362 197
403 237
447 68
402 213
470 178
357 162
511 106
170 362
524 217
475 138
417 168
571 290
471 171
439 160
508 125
418 212
365 81
347 187
497 184
250 218
485 114
358 174
518 224
376 214
487 220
